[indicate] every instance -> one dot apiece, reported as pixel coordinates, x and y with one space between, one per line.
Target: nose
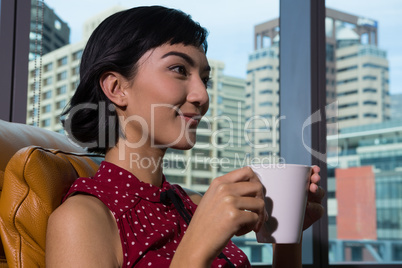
198 94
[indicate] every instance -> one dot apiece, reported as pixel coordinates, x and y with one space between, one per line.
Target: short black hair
116 45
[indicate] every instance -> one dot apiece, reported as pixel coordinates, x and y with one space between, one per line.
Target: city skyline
242 19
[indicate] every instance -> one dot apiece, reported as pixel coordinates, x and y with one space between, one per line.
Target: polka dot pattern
149 230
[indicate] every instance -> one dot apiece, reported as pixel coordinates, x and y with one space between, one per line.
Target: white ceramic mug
286 188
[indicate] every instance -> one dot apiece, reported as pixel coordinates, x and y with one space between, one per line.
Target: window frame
14 49
299 19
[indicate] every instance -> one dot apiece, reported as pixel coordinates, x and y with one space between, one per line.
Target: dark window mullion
319 132
14 45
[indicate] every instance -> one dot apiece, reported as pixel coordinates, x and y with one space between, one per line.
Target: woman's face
167 97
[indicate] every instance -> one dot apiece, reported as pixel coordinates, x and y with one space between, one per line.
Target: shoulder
81 205
82 232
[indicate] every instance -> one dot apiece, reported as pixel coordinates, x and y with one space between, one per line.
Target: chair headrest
14 136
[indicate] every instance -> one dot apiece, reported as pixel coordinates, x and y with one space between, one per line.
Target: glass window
45 123
364 207
48 81
265 103
62 61
61 104
47 95
75 84
75 70
61 90
46 108
77 55
48 67
62 76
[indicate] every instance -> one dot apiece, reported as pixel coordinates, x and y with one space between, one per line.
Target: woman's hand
314 209
233 205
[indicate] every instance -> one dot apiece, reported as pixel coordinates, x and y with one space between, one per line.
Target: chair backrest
33 181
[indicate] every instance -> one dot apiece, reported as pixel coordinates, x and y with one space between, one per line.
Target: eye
207 82
180 69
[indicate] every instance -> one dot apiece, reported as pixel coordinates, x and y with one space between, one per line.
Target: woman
143 84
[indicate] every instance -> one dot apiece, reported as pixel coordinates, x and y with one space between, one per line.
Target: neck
144 162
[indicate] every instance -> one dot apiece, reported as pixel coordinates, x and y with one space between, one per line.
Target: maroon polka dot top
150 231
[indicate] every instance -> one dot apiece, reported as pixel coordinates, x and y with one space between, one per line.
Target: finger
245 196
243 174
315 178
314 211
255 205
317 195
244 188
249 222
315 169
313 187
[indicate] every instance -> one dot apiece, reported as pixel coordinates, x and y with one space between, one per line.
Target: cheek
205 108
170 91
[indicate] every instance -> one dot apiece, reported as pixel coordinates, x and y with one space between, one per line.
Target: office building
365 187
54 34
362 86
262 102
60 77
396 106
357 77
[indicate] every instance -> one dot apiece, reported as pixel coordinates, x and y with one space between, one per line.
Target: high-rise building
262 102
60 77
396 104
357 77
362 86
54 34
377 147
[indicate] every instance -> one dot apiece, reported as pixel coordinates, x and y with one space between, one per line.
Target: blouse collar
124 180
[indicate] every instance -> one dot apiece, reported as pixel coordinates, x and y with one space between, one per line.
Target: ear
112 84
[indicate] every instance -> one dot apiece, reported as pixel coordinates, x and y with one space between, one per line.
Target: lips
191 119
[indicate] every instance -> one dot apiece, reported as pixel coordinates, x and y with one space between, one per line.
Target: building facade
357 77
396 104
59 79
362 86
262 102
376 148
54 33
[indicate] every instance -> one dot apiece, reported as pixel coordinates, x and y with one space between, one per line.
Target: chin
182 147
183 144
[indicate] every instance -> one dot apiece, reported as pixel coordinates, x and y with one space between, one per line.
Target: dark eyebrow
182 55
185 57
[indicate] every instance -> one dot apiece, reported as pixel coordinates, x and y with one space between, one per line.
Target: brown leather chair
33 181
